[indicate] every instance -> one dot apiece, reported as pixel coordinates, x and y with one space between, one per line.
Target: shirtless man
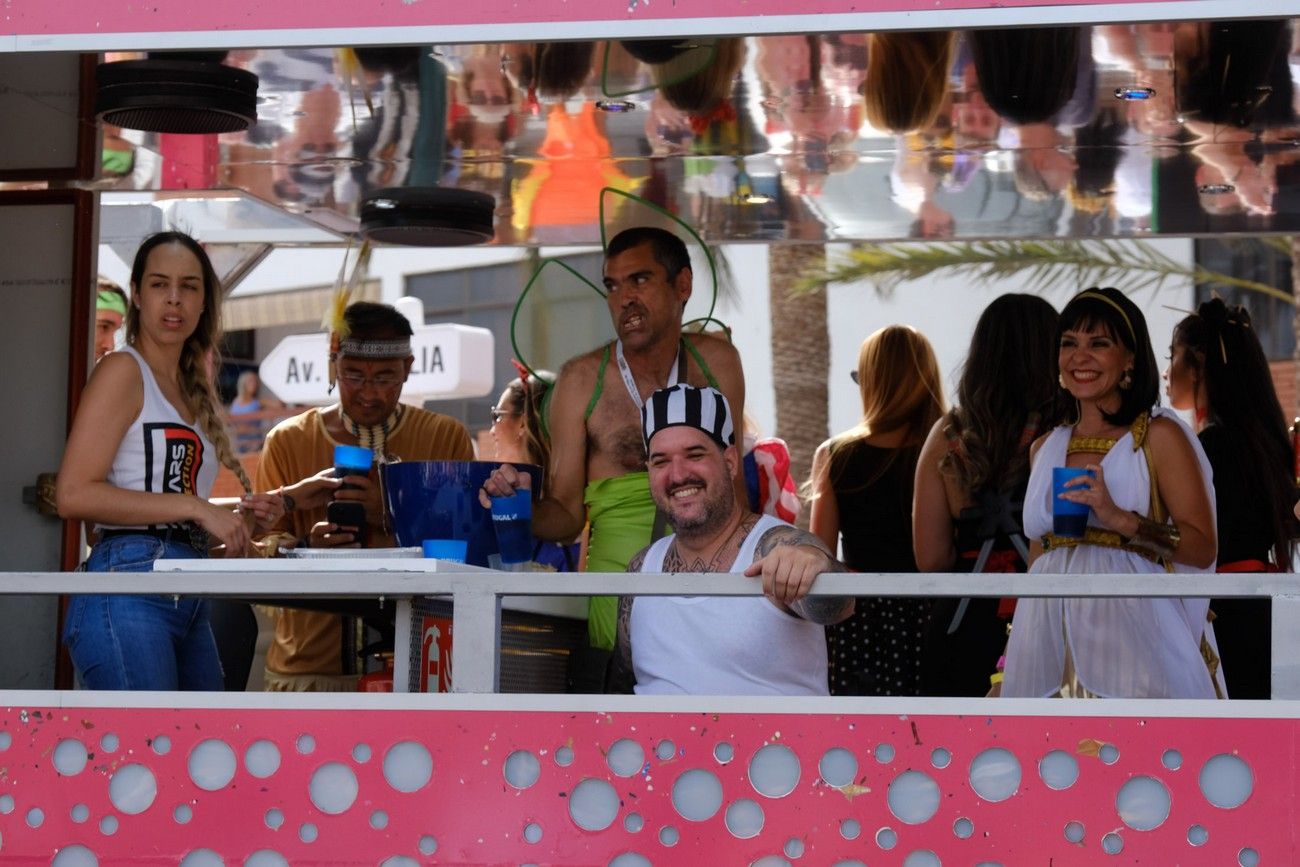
598 455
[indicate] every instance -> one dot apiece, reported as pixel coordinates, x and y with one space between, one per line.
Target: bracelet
287 501
995 678
1160 539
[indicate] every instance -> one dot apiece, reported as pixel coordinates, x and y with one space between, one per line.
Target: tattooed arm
789 560
622 677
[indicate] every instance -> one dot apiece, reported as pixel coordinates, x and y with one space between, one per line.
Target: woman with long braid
139 465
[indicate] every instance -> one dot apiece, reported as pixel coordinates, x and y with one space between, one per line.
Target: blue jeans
141 642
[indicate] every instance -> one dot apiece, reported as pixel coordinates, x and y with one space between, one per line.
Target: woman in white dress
1151 511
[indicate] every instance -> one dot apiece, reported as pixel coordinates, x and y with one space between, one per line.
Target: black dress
1242 627
877 651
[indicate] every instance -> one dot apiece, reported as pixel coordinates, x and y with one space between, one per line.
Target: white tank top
161 453
723 645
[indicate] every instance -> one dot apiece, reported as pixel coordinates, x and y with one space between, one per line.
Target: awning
292 307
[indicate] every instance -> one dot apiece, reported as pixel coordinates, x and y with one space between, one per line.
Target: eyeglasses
383 381
853 375
498 414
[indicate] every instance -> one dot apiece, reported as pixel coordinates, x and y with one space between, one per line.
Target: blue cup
512 519
451 550
1068 518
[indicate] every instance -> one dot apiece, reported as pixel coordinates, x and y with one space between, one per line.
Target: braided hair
201 350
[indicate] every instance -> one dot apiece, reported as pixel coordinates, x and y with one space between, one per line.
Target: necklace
373 437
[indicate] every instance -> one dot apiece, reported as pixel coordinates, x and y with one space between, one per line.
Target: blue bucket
439 500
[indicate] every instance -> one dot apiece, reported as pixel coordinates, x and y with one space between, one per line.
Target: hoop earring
1126 381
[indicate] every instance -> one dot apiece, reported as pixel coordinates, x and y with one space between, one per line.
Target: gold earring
1126 381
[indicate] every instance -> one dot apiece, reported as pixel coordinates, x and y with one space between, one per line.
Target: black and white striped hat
704 409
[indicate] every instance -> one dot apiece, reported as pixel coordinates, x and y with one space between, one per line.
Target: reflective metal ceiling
1106 131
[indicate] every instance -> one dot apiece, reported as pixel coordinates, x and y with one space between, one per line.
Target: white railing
477 594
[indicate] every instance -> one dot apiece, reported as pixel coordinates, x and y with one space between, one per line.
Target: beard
712 516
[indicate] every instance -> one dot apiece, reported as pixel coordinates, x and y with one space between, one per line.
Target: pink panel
32 18
431 786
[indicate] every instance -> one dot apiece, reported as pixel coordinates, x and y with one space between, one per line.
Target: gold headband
1088 293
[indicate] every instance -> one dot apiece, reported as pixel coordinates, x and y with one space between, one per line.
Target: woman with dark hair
1151 510
139 465
970 485
1217 370
862 494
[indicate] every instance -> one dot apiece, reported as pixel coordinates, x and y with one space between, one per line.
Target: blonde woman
862 496
139 465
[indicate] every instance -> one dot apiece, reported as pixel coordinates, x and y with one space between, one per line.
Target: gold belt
1096 536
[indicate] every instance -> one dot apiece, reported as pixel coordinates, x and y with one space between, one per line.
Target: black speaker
175 96
428 216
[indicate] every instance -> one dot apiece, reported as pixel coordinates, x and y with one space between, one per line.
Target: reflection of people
248 436
748 645
862 500
1218 372
1151 510
597 454
373 361
970 486
110 310
139 464
907 78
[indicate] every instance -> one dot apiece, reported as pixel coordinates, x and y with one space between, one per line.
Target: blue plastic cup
512 519
1068 518
451 550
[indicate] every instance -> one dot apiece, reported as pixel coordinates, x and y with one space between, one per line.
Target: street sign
451 361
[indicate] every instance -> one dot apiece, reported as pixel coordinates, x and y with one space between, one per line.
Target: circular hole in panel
770 861
428 845
1058 769
850 829
399 861
838 767
274 818
202 858
1112 844
941 757
1143 803
305 744
665 750
212 765
265 858
884 753
361 753
593 805
132 789
6 741
921 858
1109 754
794 848
963 828
1172 760
564 756
625 758
1248 857
630 859
1074 832
162 745
632 823
697 795
262 759
408 766
77 856
333 788
532 832
379 820
774 771
849 862
744 818
724 753
668 836
1197 835
79 813
307 832
35 817
6 803
1226 781
886 838
913 797
109 743
183 813
108 826
522 769
70 757
995 774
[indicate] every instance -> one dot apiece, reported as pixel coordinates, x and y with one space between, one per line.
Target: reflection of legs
235 630
197 663
122 642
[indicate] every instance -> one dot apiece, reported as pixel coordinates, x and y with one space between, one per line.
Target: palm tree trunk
800 355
